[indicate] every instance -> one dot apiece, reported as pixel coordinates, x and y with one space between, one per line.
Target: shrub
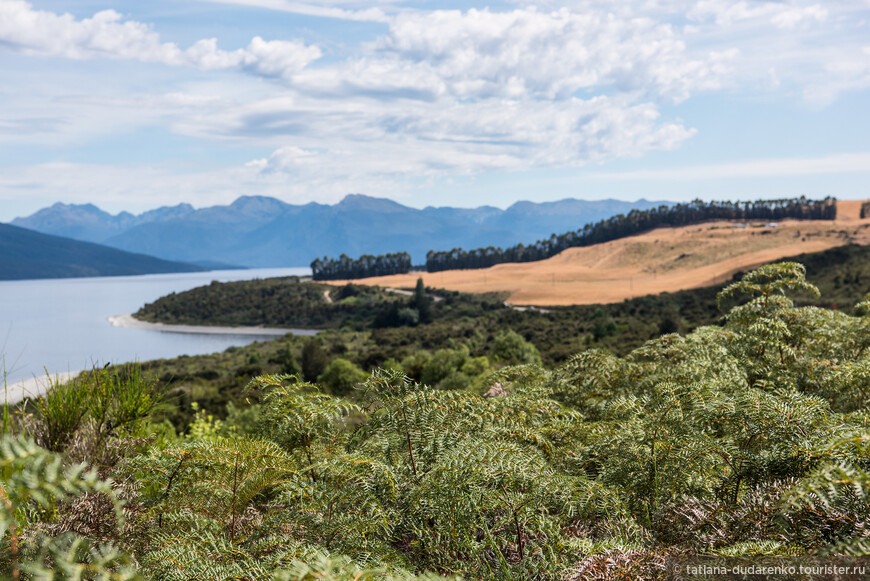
510 348
341 376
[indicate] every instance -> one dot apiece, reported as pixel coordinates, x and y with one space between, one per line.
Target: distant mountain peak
244 200
258 205
370 203
62 207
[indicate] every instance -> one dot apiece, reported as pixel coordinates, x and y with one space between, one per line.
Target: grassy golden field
667 259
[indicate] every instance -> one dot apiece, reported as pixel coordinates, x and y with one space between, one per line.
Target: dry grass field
667 259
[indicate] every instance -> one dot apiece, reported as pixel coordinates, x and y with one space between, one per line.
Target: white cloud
780 14
277 57
76 118
48 34
357 10
792 17
421 138
107 35
843 72
830 164
287 160
641 47
552 55
788 48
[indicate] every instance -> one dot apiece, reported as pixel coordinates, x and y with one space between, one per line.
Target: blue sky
134 105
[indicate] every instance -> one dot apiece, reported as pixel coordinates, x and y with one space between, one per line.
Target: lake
62 324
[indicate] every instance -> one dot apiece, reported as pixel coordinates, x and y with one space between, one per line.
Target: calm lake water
61 324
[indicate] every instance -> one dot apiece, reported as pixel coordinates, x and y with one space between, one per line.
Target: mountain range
25 254
257 231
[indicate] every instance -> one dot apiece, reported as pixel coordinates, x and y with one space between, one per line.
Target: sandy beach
133 323
35 386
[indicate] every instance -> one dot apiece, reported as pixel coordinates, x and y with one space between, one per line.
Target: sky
132 105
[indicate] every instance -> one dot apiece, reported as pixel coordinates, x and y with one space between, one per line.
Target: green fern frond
33 483
216 478
756 549
72 558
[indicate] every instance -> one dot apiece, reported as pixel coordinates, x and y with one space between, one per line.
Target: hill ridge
27 254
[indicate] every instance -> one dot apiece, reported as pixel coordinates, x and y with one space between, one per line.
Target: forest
365 266
744 437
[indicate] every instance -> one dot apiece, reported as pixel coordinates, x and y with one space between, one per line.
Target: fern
33 483
299 417
215 479
321 567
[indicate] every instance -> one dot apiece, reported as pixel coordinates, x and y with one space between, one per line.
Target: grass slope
26 254
663 260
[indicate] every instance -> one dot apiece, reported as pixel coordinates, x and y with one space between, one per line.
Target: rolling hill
25 254
663 260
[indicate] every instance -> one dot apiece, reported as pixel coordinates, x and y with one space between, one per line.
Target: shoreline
35 386
128 321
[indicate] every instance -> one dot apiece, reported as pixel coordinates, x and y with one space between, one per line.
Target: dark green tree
422 302
289 365
314 360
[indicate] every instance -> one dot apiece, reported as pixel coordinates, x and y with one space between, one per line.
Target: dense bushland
841 273
289 302
748 438
450 319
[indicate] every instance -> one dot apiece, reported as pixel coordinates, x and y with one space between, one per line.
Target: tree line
365 266
635 222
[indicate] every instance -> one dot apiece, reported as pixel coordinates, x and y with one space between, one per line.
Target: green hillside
26 254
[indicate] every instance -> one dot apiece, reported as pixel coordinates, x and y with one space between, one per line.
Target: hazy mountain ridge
26 254
260 231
